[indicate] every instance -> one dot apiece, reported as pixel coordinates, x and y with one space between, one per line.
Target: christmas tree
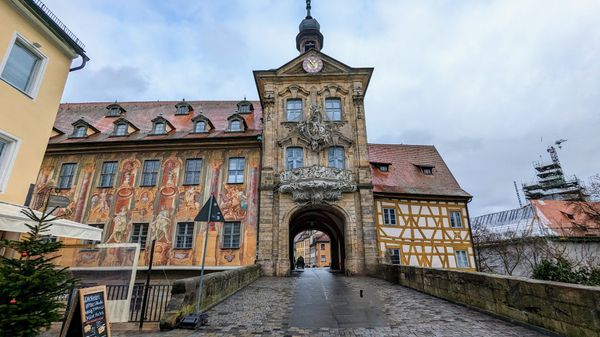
30 283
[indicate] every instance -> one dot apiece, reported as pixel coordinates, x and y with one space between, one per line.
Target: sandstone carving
316 183
316 131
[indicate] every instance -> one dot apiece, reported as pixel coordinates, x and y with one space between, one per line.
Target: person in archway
300 263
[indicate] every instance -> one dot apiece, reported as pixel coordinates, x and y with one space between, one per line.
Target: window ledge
230 247
19 89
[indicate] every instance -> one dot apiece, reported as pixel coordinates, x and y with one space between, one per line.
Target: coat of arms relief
315 183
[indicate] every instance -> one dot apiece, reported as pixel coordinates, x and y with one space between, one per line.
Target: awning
12 220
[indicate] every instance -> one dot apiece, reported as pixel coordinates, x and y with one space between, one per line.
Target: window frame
239 241
204 130
338 110
164 126
229 170
8 157
112 175
126 131
76 131
94 242
38 72
451 218
142 184
185 172
237 121
294 160
142 226
458 260
392 254
333 149
384 209
182 109
300 110
72 177
186 236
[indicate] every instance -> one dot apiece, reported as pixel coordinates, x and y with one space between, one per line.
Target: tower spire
310 36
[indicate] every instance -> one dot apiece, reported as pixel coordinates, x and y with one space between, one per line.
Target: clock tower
315 172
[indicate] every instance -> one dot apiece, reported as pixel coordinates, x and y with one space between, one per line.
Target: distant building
552 184
509 242
320 251
36 51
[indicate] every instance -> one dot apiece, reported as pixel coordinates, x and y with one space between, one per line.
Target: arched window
235 125
200 126
336 157
159 128
294 157
80 131
182 110
121 129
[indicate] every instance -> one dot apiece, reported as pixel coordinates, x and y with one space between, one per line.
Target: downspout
260 165
475 251
84 60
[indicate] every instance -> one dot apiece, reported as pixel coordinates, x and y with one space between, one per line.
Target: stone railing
316 183
217 287
567 309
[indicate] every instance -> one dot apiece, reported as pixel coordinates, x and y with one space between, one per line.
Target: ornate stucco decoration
316 183
315 130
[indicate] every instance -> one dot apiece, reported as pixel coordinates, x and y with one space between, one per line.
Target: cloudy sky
490 83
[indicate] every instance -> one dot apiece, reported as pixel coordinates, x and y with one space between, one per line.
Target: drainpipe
260 153
475 251
84 60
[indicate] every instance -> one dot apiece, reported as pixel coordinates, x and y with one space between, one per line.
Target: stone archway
323 219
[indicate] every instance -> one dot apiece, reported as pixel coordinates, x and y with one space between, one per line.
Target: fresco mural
161 206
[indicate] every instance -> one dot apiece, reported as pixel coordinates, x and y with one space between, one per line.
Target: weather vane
308 9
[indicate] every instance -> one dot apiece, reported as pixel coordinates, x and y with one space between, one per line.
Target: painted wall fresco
161 206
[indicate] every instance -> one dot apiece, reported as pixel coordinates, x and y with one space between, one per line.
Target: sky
490 83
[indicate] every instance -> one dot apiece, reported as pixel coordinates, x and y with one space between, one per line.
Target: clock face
312 64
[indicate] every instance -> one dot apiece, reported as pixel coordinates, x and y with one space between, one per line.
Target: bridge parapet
564 308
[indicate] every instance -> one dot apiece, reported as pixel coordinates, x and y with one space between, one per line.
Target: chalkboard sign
94 318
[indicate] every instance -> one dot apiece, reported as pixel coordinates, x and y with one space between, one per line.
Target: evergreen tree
30 282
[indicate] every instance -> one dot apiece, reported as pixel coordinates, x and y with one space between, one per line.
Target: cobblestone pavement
266 308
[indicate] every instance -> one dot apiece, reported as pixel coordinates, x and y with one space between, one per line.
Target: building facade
142 172
36 51
307 166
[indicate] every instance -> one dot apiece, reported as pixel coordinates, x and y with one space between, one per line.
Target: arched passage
326 220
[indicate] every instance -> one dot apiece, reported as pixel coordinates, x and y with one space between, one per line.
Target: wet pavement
319 303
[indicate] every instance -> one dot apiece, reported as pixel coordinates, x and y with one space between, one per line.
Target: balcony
316 184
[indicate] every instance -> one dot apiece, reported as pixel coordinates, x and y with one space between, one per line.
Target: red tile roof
141 115
405 176
569 218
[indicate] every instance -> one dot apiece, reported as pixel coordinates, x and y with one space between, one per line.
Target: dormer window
121 129
245 107
200 127
235 125
183 108
382 167
114 110
426 169
80 131
159 128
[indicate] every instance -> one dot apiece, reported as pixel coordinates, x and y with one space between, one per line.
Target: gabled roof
405 177
569 218
141 114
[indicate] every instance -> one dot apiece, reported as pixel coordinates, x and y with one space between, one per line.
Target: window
462 259
107 177
333 109
94 242
235 125
336 157
182 110
244 108
8 154
394 256
294 110
236 171
200 127
49 238
384 168
455 219
121 129
323 258
113 111
389 216
294 157
80 131
139 234
67 172
231 235
185 235
150 172
322 246
23 67
192 171
427 171
159 128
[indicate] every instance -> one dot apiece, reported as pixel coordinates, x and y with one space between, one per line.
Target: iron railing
57 21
